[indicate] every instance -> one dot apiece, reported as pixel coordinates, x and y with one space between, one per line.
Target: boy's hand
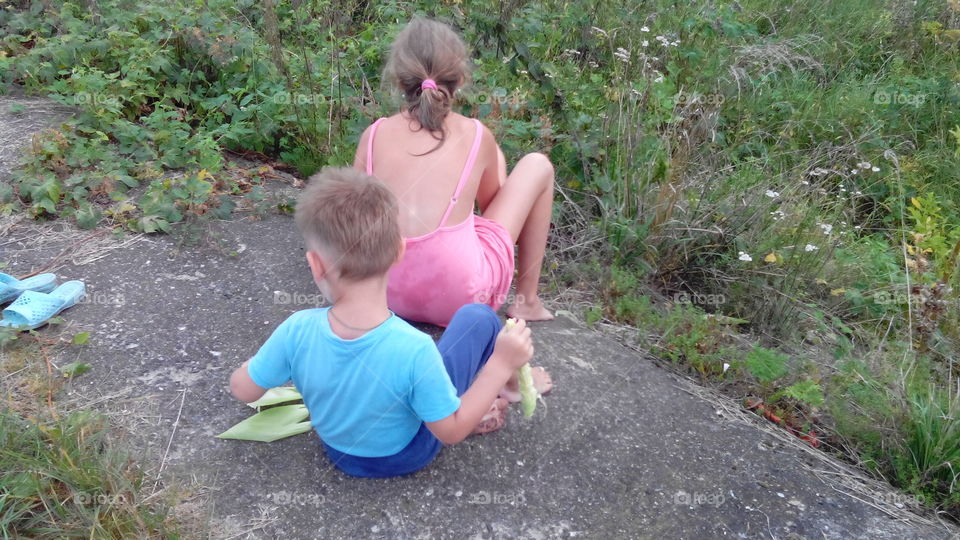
514 345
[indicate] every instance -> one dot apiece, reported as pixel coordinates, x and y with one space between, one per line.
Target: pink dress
470 262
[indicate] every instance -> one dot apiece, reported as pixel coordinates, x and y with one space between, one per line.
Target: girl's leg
465 346
467 343
523 206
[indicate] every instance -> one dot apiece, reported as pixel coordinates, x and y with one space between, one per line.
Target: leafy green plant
806 392
696 339
766 365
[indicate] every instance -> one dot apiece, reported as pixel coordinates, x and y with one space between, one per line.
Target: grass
932 445
67 472
784 176
65 478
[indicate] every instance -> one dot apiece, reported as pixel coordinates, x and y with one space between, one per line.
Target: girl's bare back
424 182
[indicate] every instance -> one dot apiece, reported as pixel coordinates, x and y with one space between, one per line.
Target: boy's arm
242 386
270 366
513 349
474 403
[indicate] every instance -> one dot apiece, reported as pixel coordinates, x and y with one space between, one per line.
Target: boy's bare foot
495 417
541 381
529 310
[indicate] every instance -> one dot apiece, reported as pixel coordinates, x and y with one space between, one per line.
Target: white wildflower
875 169
645 43
826 227
745 257
772 194
644 29
810 247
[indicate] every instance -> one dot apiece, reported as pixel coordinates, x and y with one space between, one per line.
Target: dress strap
373 131
467 169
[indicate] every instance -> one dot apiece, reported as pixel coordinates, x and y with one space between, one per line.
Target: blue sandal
33 309
11 287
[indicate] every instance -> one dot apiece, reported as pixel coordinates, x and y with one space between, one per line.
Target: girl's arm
494 171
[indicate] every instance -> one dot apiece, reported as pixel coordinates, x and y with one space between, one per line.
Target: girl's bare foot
541 382
495 417
529 310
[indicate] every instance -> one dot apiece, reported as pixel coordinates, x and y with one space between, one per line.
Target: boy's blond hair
352 217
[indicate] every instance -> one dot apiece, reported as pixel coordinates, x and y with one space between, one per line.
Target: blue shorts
465 346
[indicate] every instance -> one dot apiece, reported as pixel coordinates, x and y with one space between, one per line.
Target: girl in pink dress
439 163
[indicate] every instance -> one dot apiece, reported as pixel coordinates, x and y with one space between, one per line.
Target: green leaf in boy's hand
275 396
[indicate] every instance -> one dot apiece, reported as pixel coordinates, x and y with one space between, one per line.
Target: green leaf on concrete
270 425
75 369
80 338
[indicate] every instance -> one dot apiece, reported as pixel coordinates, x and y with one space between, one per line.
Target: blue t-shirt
367 396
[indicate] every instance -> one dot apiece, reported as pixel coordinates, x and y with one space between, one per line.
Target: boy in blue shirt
382 396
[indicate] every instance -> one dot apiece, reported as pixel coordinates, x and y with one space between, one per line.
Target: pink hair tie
428 83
